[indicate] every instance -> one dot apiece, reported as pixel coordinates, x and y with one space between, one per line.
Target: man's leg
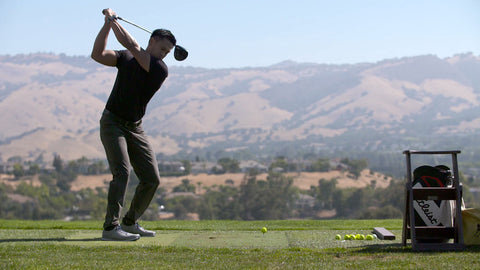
115 146
145 165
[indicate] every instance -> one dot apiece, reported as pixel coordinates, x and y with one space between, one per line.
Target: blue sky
253 33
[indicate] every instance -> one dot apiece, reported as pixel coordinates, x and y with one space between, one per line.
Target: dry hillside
51 104
302 180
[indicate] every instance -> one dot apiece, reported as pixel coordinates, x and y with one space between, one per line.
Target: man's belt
125 123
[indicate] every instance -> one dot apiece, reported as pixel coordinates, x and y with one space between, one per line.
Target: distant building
278 170
202 167
304 201
171 166
335 164
181 194
4 167
248 165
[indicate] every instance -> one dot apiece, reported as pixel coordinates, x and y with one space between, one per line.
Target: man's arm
127 41
142 56
99 52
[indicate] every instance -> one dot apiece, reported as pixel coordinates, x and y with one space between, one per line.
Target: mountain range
51 104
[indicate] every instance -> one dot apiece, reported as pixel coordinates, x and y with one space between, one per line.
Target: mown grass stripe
218 245
209 225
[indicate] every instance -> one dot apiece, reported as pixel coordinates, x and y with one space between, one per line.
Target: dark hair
164 33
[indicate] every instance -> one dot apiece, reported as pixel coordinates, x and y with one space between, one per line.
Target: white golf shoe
117 234
137 229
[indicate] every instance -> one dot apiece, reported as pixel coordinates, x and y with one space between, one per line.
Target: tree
182 205
320 165
339 202
33 169
58 163
385 212
63 183
282 162
355 166
220 204
18 170
356 203
325 193
229 164
185 186
270 199
96 168
15 159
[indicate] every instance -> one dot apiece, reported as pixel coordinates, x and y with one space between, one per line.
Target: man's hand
109 14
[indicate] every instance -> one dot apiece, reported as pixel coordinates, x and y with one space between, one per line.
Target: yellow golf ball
264 229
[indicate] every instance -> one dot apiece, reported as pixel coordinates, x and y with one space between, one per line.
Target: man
140 74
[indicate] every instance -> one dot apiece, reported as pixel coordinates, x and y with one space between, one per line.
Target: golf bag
432 212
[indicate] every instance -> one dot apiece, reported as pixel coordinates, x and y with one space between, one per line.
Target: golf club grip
103 12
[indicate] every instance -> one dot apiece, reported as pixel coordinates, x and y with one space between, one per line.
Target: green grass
292 244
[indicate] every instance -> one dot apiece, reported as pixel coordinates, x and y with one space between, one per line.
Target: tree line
253 199
277 198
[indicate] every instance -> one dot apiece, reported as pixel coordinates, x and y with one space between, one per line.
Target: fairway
218 245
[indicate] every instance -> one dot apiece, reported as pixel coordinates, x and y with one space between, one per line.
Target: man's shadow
60 239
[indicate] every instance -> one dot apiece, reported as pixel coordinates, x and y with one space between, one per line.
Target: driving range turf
288 244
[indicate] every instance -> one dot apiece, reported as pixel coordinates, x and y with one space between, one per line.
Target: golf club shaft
127 21
120 18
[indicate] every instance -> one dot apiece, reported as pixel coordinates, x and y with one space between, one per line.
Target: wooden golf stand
429 237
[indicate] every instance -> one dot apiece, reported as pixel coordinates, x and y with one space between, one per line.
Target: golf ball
264 229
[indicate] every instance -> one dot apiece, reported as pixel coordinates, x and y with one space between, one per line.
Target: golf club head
180 53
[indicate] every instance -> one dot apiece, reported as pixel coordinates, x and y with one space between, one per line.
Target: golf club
179 53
